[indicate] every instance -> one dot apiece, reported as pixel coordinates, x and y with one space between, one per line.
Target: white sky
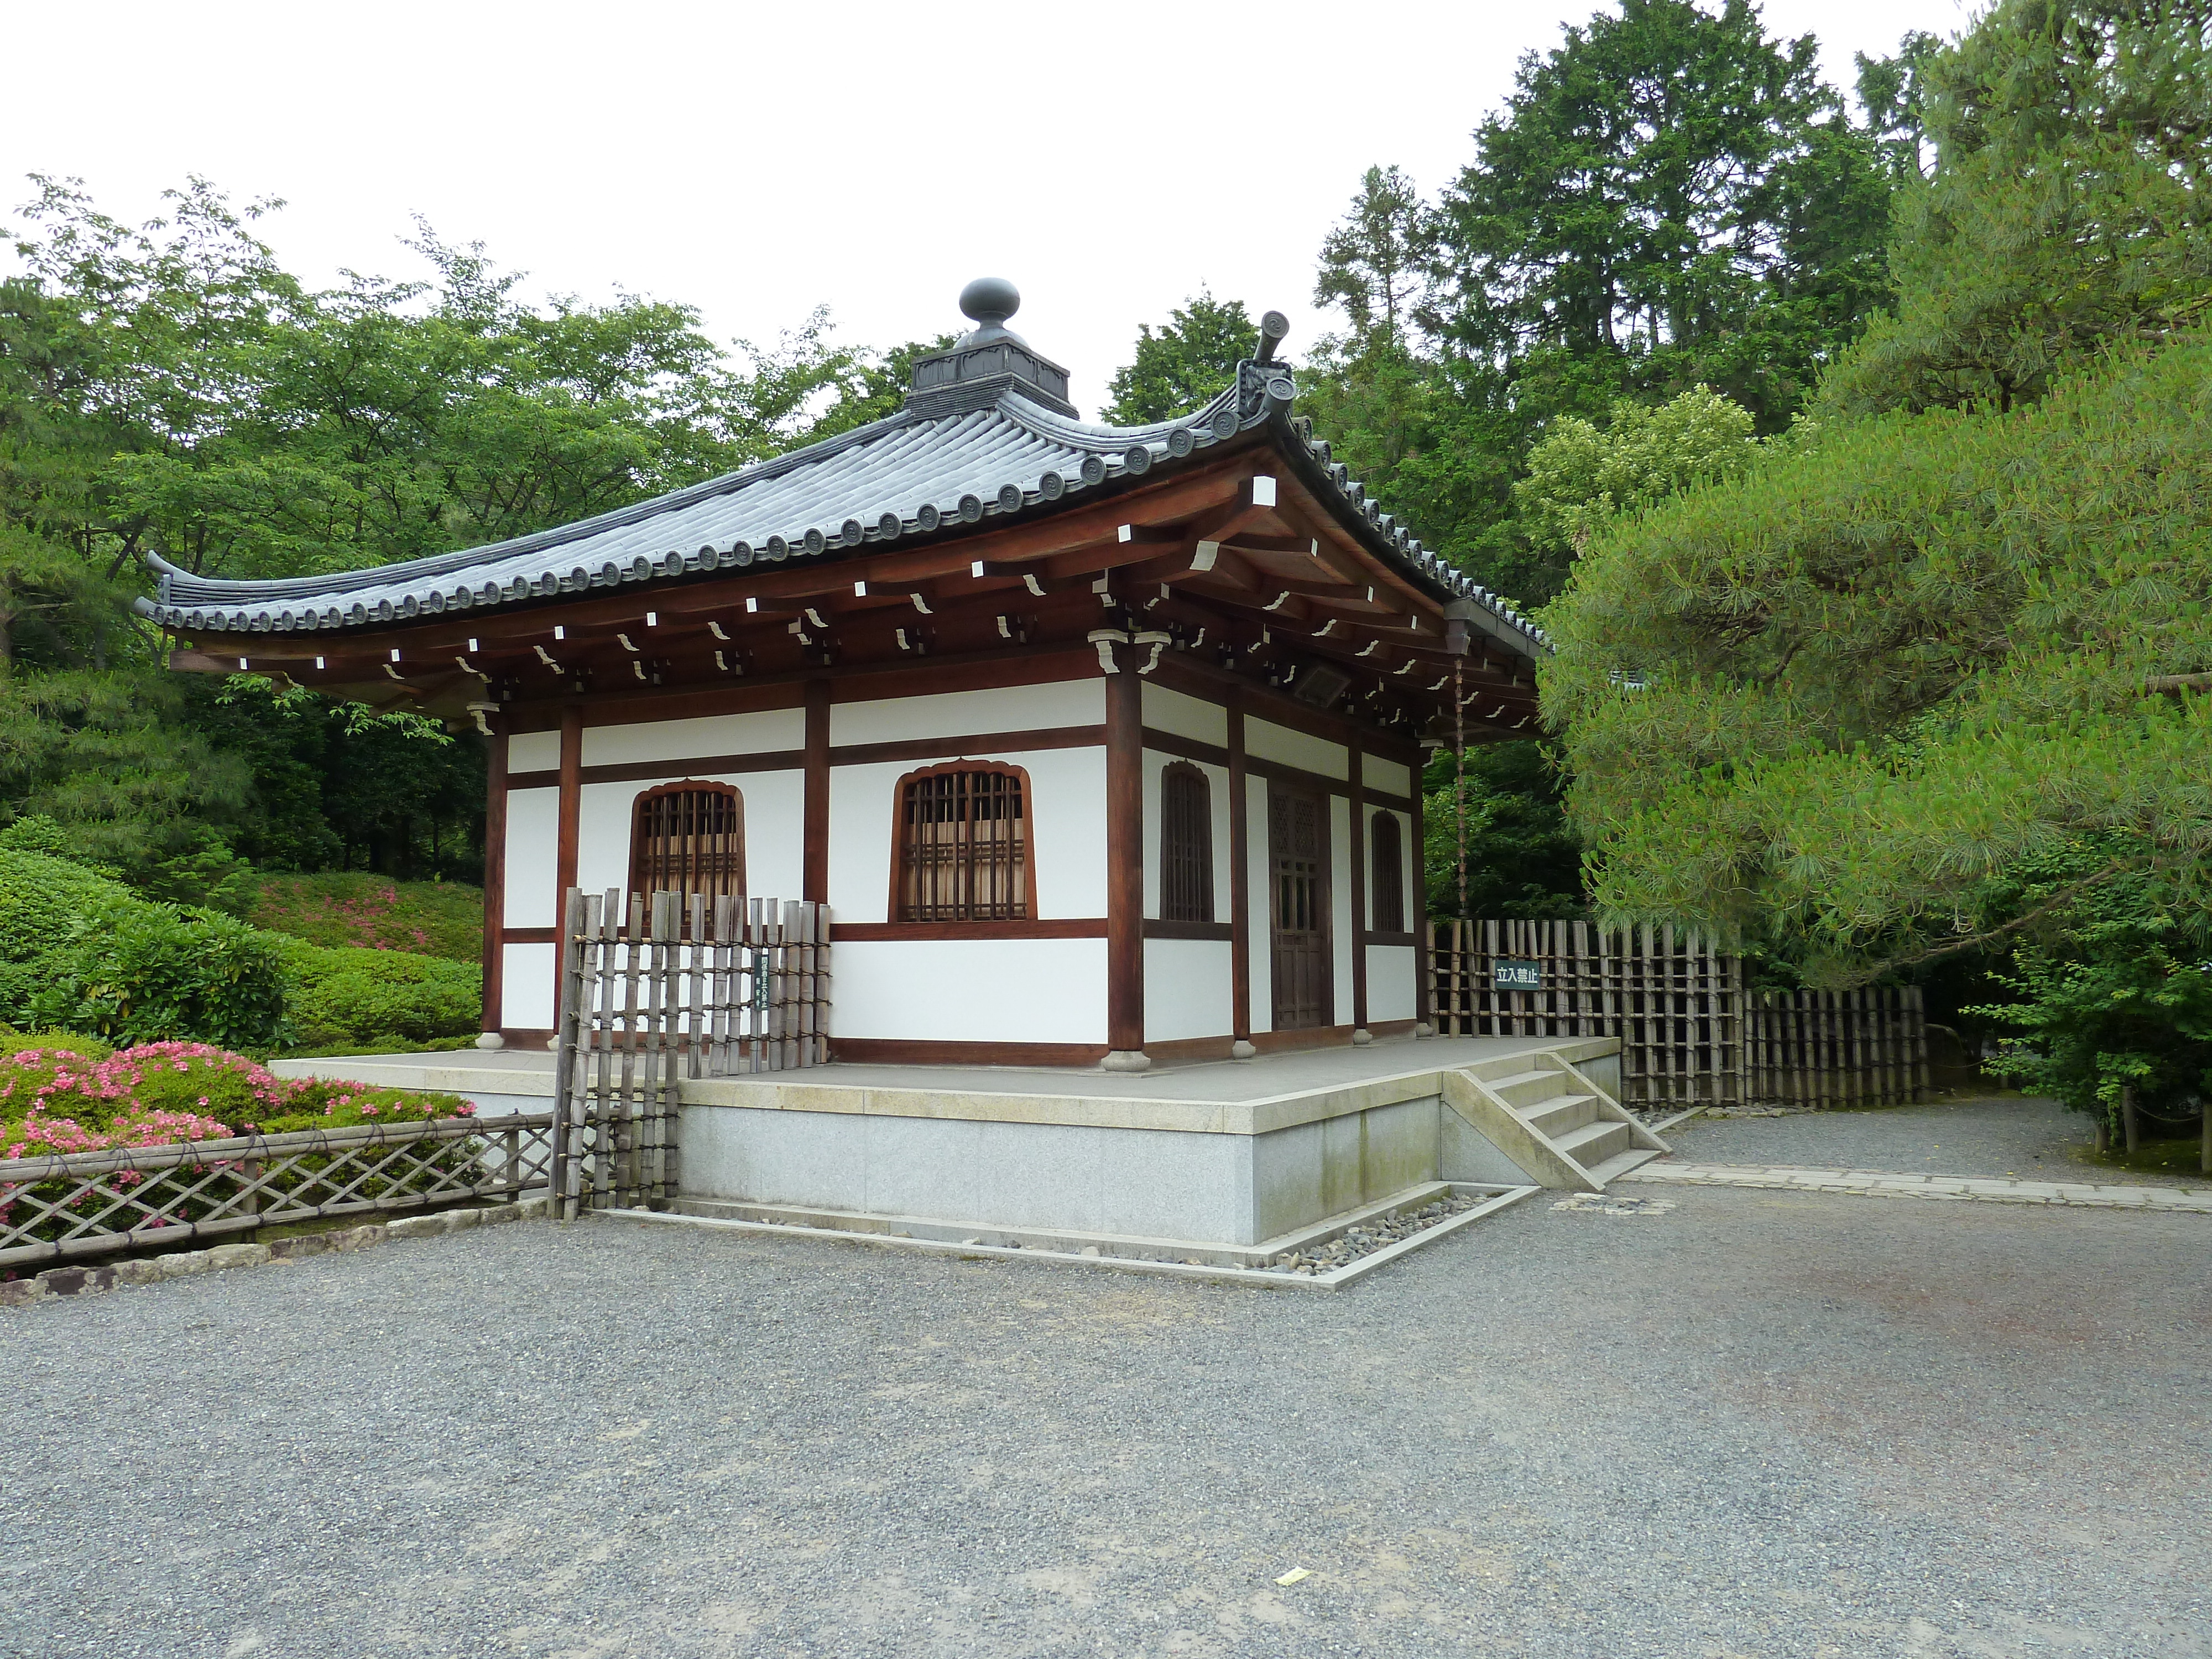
758 160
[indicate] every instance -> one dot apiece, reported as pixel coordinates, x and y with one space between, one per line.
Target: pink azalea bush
194 1076
39 1136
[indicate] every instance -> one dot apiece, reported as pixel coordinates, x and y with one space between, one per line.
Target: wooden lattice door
1298 910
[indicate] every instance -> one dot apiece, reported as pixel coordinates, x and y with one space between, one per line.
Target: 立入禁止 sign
1506 975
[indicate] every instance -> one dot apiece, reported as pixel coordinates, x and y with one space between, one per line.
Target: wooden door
1299 909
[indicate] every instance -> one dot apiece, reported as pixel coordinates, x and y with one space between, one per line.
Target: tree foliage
1186 363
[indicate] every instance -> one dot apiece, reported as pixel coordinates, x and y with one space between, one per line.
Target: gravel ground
2007 1135
1764 1424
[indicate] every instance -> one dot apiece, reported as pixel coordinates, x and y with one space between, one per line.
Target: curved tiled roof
909 475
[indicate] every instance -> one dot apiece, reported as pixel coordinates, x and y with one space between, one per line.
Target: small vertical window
963 851
1388 855
688 838
1186 844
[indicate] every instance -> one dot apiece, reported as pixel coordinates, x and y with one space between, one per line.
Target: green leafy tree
873 388
1524 861
1188 360
1580 474
2067 210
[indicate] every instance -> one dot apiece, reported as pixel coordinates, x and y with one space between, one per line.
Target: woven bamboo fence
85 1204
660 988
1690 1034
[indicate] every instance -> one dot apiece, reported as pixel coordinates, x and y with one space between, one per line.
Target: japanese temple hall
1101 743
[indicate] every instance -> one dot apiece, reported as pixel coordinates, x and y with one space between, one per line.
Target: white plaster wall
527 986
1068 832
1012 990
1217 795
602 817
763 732
958 713
1186 989
1390 982
533 751
1340 904
1186 716
1262 966
534 835
1279 743
1386 776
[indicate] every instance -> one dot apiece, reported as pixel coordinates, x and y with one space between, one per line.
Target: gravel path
2009 1135
1751 1424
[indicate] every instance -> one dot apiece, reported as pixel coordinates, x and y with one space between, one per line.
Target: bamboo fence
1690 1034
82 1204
653 989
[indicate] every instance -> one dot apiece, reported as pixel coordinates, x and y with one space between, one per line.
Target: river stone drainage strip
1158 1256
1878 1183
1607 1204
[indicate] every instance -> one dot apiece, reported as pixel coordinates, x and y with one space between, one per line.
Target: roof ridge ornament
989 362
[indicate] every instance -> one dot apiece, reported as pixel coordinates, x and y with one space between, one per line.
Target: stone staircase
1549 1118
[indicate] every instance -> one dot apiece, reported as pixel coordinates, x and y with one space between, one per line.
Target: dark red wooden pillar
1423 1014
814 871
1356 758
1125 857
564 854
1240 879
494 874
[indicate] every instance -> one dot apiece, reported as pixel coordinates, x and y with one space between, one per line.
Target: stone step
1527 1090
1556 1116
1594 1143
1621 1163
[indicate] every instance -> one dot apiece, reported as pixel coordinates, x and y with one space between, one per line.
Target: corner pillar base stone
1241 1049
1126 1060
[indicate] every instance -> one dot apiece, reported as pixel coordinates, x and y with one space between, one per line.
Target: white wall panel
1186 716
527 986
766 732
1068 832
1019 990
603 819
1390 982
1186 989
533 751
1279 743
1261 972
533 833
958 713
1386 776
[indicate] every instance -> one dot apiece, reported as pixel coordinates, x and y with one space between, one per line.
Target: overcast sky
757 160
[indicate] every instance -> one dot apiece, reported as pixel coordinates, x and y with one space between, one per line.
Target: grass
2180 1158
347 908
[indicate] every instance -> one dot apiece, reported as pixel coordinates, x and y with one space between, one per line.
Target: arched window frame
904 843
645 878
1386 860
1186 843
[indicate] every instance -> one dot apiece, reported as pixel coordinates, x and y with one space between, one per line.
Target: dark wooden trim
979 746
814 875
1418 859
1169 743
1356 762
982 746
564 856
1050 927
1240 876
530 936
1394 939
899 1051
1194 676
1185 1051
1154 928
495 877
1125 856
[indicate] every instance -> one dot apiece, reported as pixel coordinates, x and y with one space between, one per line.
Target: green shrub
341 907
334 1103
134 972
340 996
41 899
14 1043
197 1077
54 1082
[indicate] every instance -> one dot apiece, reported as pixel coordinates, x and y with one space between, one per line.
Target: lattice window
1387 851
1186 844
963 851
689 838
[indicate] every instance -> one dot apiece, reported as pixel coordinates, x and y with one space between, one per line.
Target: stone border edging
185 1264
1883 1183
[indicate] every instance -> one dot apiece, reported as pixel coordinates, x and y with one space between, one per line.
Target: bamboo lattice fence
1690 1034
653 990
82 1204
